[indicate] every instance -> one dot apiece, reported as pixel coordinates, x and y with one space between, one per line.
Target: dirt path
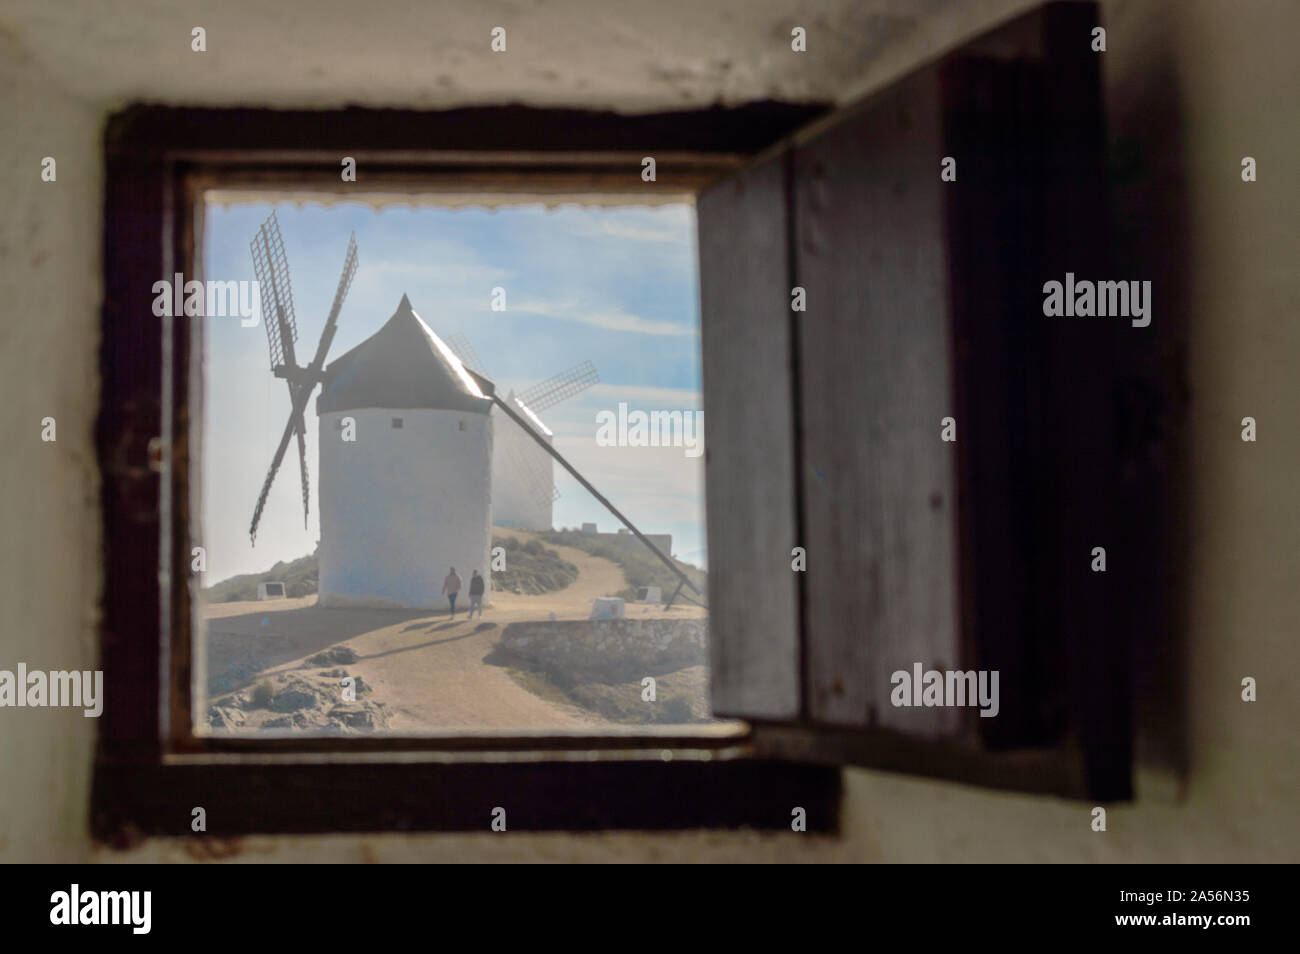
428 669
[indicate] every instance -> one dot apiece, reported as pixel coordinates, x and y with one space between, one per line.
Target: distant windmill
524 469
524 463
271 265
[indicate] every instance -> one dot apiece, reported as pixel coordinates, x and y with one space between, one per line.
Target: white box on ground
649 594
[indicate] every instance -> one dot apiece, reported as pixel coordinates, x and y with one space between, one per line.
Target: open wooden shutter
924 301
749 462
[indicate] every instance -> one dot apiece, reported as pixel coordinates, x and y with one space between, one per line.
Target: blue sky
616 285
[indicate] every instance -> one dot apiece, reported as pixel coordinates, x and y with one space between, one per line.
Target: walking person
450 588
476 595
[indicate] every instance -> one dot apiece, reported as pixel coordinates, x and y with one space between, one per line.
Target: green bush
262 694
532 568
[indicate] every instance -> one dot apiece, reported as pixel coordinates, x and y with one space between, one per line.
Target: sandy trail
428 669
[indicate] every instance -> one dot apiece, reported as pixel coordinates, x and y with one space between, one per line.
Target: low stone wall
609 650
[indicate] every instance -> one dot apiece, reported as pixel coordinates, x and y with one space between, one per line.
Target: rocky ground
278 666
330 701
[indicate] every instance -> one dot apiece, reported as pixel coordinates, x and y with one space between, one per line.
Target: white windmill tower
405 470
523 482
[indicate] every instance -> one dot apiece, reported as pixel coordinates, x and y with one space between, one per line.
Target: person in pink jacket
450 587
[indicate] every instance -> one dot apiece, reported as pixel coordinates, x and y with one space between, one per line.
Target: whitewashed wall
514 502
399 506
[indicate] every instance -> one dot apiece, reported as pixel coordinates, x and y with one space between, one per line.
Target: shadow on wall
1151 232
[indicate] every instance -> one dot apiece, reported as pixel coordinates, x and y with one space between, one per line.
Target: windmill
539 485
524 463
271 265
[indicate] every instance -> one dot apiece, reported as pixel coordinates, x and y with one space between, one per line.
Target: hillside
640 565
530 569
299 578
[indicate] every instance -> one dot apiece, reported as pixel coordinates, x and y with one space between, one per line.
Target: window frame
150 770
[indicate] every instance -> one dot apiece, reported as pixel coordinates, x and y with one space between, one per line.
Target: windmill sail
561 387
272 268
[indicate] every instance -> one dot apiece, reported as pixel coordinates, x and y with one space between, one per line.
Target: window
852 300
151 768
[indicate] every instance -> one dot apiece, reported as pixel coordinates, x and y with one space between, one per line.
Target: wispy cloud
641 396
440 272
627 231
614 319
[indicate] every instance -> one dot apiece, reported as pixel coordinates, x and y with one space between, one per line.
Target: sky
614 285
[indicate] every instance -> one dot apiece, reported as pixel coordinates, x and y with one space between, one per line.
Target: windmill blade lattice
271 266
465 351
301 427
561 387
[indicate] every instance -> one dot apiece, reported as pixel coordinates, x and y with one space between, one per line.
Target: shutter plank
876 373
745 314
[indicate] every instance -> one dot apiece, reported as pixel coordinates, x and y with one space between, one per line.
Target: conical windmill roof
402 365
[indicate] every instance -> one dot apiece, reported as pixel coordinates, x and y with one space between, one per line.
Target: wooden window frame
150 770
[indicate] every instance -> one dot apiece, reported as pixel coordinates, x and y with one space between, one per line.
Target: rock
291 700
353 718
219 718
279 722
339 654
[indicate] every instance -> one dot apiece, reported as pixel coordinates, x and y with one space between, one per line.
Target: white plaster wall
399 506
49 492
514 502
629 56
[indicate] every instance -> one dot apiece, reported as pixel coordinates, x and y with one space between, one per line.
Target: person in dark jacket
476 595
